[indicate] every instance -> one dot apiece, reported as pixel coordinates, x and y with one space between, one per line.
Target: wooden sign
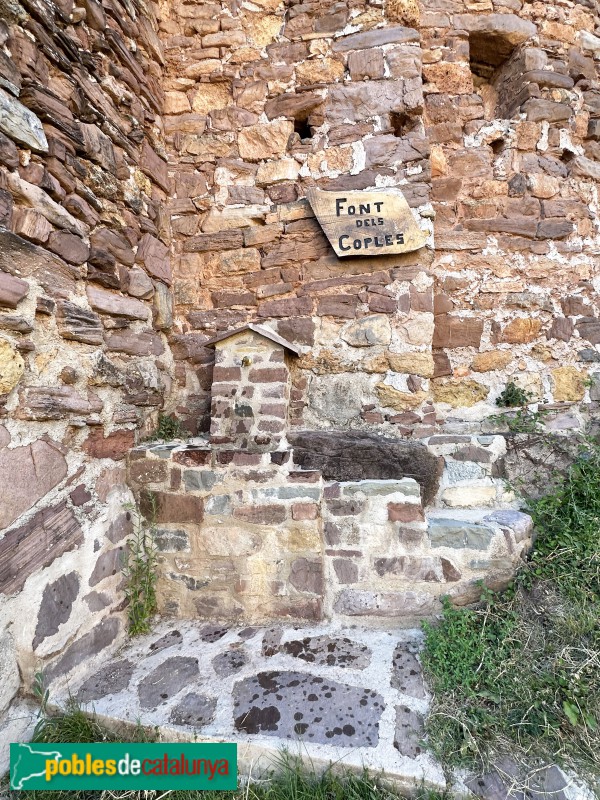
377 222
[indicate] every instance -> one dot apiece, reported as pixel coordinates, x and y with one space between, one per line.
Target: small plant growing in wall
139 570
169 427
513 396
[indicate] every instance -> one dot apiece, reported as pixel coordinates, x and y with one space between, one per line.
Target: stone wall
85 299
483 113
250 537
154 163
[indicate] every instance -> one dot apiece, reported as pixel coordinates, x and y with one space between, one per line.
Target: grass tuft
169 428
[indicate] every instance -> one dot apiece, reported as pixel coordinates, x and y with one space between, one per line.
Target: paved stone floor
342 695
348 695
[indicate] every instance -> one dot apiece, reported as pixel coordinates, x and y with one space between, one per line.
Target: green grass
169 428
520 675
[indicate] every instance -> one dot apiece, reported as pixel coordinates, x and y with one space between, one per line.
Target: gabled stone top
262 331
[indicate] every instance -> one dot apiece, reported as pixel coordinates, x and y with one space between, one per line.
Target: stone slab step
328 693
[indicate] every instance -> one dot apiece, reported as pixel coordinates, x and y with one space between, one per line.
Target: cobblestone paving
330 694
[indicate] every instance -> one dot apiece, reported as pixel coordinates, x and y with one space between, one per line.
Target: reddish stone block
80 495
270 426
115 445
575 306
148 470
405 512
453 331
165 507
307 609
273 410
261 515
562 328
341 305
192 458
229 299
154 167
308 476
373 417
245 459
226 374
154 256
406 418
175 479
421 301
297 306
36 544
306 575
280 457
111 478
441 366
304 511
267 375
450 572
382 305
12 290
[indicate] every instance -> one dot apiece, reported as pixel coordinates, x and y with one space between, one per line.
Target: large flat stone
27 549
111 679
392 34
194 710
26 260
168 678
345 456
406 486
297 705
12 290
457 533
520 524
115 304
229 662
21 124
357 603
410 731
357 101
57 402
85 647
407 675
55 609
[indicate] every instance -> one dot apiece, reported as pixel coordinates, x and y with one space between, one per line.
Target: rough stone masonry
154 163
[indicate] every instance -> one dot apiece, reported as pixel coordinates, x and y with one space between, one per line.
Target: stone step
327 693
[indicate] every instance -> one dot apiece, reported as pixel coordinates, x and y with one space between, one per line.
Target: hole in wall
567 156
302 128
498 146
401 123
487 53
